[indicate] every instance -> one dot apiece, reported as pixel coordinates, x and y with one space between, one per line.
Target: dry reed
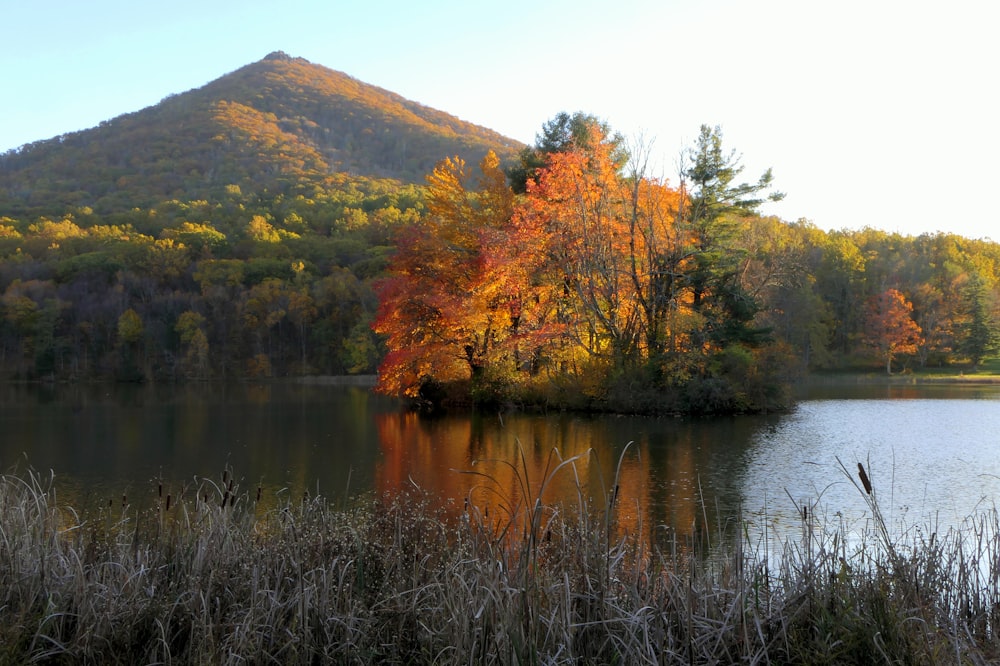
207 576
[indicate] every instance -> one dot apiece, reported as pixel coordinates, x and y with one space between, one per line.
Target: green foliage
130 327
979 336
562 133
361 352
194 285
715 205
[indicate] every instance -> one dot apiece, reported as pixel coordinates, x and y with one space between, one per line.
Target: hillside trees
234 287
280 125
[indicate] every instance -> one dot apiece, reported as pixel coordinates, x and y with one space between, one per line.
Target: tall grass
212 576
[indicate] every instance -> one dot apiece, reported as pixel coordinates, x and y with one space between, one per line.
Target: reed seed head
864 479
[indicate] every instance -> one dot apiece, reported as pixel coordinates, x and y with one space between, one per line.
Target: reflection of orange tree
422 452
433 453
502 471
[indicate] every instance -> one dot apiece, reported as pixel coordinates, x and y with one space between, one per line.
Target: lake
933 451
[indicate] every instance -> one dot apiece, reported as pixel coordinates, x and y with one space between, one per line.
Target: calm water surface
933 452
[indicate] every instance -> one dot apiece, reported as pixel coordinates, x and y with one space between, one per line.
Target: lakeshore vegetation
213 574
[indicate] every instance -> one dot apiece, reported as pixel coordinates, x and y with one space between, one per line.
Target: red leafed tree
889 326
442 309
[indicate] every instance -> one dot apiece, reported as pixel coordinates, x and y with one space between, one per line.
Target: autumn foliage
583 284
890 329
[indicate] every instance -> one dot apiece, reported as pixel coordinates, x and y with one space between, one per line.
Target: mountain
282 125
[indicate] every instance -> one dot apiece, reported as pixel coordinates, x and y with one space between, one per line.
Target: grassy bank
213 576
988 372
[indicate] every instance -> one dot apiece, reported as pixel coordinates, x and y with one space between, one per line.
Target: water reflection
109 440
930 460
928 457
670 472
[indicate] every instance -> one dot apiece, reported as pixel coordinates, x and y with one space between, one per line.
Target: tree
839 269
301 312
714 207
194 344
22 315
344 304
202 240
563 133
265 309
931 312
443 308
576 208
658 255
889 326
978 332
131 330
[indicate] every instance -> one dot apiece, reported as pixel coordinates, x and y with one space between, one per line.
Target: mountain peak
263 128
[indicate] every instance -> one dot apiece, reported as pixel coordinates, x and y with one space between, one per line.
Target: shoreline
367 381
900 379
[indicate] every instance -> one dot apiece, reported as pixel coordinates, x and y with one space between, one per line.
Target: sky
870 113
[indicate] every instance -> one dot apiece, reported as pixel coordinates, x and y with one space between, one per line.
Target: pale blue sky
871 113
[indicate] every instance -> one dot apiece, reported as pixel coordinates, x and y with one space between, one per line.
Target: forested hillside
280 125
262 225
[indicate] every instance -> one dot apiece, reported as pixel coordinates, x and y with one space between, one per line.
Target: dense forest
289 220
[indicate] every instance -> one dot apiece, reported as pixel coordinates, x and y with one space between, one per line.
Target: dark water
931 451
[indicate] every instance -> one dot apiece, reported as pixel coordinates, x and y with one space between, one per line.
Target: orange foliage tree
611 250
575 206
889 326
570 278
443 309
587 279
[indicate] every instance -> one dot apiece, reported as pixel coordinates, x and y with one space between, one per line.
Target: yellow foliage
56 230
260 230
7 231
130 327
